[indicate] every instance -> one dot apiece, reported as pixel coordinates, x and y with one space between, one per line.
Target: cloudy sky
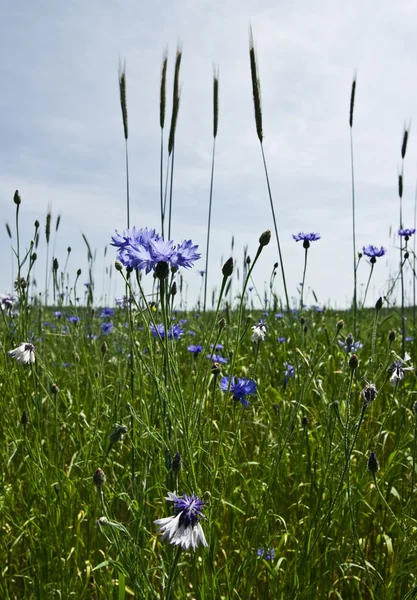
62 144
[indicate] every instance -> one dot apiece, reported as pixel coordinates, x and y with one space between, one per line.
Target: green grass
270 478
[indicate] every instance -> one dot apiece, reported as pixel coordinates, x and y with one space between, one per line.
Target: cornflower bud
99 478
176 462
373 464
353 362
265 238
227 269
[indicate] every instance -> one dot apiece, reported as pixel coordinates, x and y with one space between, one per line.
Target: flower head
373 252
106 328
239 387
183 527
174 332
266 554
398 369
258 332
406 233
349 345
195 349
143 249
369 393
7 302
107 312
217 358
24 354
306 238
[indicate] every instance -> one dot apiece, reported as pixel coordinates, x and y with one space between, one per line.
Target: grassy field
259 449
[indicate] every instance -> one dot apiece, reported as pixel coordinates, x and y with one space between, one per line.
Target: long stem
172 572
355 283
161 182
170 191
367 285
304 278
127 186
276 231
209 224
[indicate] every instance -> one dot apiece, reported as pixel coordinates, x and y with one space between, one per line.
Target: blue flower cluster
174 332
143 249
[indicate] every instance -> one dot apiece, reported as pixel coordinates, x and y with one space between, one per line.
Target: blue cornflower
279 316
183 528
373 252
106 328
183 321
217 347
107 312
409 338
349 345
406 233
239 387
288 370
174 332
306 238
217 358
266 554
281 340
73 319
57 314
121 302
195 349
143 249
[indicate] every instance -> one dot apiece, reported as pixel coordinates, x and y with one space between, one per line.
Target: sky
62 144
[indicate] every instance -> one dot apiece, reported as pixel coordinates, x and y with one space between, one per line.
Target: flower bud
118 265
373 464
79 272
228 268
215 369
221 324
265 238
162 270
340 324
176 462
25 418
16 198
104 348
353 362
378 304
54 389
99 478
173 291
391 337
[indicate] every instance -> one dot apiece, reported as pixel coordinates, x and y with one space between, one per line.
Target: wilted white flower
183 528
398 368
24 354
6 302
258 332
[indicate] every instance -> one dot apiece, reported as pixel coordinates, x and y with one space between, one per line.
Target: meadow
250 447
